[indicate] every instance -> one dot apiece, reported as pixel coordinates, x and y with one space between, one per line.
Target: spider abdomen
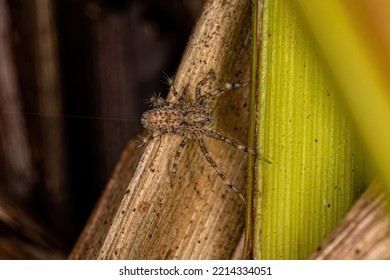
162 118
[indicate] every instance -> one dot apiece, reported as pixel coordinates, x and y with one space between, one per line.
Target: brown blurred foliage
74 77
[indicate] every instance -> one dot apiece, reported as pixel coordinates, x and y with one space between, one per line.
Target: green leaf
318 169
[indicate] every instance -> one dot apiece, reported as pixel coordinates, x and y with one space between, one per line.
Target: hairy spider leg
156 101
231 141
222 90
150 137
172 89
217 169
167 79
209 77
177 156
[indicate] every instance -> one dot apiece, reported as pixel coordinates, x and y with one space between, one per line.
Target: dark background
74 77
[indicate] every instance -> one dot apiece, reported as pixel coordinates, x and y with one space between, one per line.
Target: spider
190 120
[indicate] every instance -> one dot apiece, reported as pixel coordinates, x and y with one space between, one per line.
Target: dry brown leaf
143 216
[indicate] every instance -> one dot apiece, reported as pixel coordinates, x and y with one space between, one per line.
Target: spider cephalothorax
190 120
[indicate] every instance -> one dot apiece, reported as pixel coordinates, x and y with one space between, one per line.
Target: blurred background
74 78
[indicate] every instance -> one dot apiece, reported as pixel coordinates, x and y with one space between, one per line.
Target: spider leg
222 90
156 101
167 79
173 90
176 158
209 77
233 142
217 169
150 137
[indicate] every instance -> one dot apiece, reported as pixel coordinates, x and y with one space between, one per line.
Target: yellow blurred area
355 41
372 19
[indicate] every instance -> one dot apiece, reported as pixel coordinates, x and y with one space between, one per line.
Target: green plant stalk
248 244
317 169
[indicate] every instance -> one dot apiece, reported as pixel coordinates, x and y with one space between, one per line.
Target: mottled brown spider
190 120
